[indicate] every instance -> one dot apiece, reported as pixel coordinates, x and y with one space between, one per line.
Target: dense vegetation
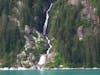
63 25
14 15
10 37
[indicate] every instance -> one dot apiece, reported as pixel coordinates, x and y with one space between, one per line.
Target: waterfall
50 46
42 59
45 28
46 21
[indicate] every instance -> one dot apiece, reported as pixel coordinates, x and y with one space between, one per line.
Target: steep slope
14 16
73 28
75 34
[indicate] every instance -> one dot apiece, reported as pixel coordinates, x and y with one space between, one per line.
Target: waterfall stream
46 21
42 59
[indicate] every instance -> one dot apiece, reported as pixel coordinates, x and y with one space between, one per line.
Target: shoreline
23 68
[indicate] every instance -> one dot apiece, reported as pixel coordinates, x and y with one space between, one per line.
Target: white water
42 59
45 28
46 21
50 46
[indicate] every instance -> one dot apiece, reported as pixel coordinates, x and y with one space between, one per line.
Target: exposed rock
31 57
88 12
51 56
15 9
26 63
21 55
73 2
31 39
28 37
84 3
80 32
20 4
35 18
28 45
27 29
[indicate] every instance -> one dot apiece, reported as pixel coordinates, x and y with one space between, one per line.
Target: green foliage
96 4
40 50
64 22
32 13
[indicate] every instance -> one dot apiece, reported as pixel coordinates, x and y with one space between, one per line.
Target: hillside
73 33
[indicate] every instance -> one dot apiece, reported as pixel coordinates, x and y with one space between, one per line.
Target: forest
74 30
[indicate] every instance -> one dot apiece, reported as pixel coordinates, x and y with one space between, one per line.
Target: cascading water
46 21
42 59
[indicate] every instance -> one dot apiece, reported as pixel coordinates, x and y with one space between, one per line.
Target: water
52 72
46 20
45 28
42 59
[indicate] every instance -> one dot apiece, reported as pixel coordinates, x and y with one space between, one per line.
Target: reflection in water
42 72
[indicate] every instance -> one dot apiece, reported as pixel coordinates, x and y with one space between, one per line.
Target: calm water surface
52 72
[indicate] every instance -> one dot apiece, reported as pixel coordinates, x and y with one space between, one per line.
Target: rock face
28 37
31 57
73 2
50 57
21 24
84 2
80 32
32 39
27 29
21 55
